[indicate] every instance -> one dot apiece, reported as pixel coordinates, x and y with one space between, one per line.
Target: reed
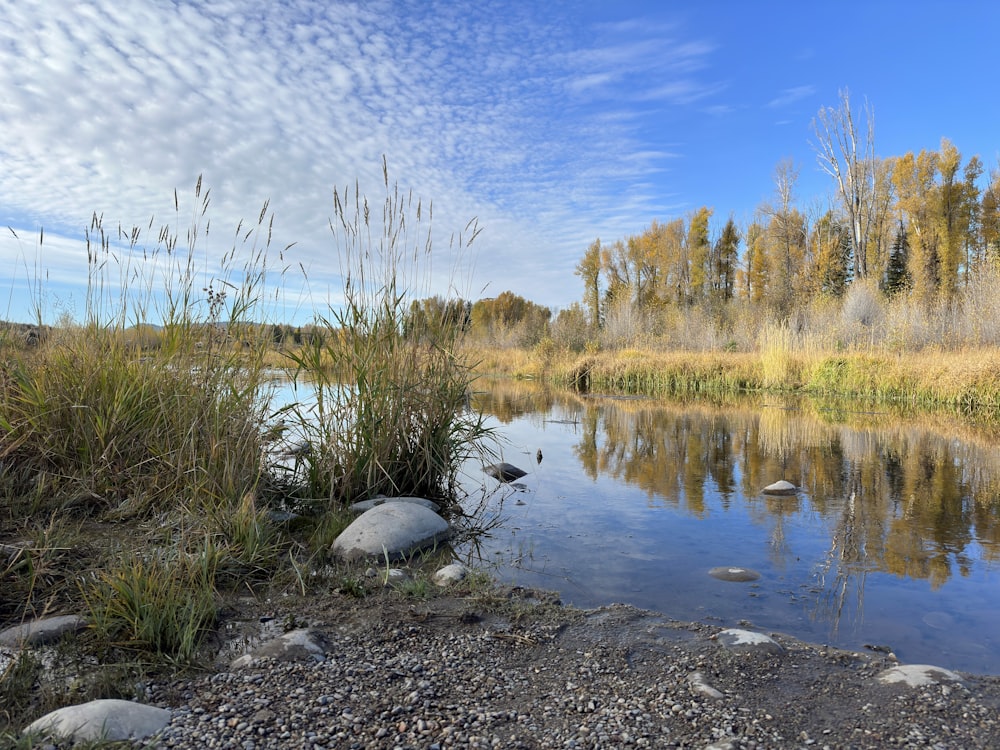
391 409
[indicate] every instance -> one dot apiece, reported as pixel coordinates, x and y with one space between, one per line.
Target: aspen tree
589 269
846 152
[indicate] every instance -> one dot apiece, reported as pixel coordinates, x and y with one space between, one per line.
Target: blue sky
553 123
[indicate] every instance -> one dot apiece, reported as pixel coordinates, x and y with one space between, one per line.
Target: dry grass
967 380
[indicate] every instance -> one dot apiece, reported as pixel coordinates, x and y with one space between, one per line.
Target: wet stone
780 487
734 573
749 641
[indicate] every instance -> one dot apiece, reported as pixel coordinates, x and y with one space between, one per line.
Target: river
892 540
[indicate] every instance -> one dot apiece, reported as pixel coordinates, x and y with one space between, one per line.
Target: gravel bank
449 672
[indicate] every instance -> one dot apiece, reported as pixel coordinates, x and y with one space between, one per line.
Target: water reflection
905 508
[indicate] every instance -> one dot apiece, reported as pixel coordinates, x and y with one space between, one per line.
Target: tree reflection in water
910 498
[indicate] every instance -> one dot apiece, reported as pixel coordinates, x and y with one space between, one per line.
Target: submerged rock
504 472
732 573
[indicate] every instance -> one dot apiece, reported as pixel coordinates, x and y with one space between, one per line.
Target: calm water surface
893 539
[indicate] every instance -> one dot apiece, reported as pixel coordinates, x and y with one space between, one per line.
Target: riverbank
482 665
514 669
967 381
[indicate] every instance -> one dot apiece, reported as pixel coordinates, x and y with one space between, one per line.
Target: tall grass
111 418
391 410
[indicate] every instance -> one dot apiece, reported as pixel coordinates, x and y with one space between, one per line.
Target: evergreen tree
897 277
725 258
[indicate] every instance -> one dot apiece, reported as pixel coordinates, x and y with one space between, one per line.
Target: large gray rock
366 505
39 632
393 529
106 719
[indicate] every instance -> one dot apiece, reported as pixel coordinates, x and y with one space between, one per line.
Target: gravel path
450 673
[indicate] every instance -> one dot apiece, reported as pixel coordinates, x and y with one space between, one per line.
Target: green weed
160 602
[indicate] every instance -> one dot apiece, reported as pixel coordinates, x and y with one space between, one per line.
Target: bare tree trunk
849 157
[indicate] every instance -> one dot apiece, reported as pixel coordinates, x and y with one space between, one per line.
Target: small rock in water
504 472
732 573
781 487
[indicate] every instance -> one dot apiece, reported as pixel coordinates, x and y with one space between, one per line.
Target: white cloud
792 95
110 107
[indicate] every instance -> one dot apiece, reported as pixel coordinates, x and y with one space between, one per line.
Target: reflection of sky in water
605 540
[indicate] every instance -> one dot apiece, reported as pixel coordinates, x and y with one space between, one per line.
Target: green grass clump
104 416
105 429
161 602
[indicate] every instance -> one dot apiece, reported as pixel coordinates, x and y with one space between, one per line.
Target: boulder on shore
363 506
108 719
393 529
38 632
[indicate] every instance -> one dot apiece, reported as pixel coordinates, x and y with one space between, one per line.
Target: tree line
917 224
918 229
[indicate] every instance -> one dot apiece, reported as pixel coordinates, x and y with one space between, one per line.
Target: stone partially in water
731 573
781 487
504 472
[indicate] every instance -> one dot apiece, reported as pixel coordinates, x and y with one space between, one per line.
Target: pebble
464 687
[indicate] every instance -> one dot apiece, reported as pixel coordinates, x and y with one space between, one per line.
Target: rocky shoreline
515 669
